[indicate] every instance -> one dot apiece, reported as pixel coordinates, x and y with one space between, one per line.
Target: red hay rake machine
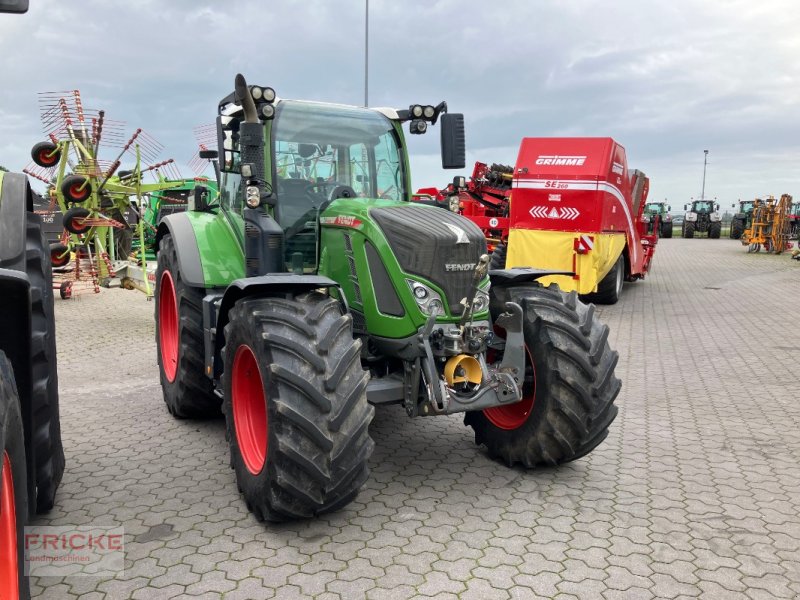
95 195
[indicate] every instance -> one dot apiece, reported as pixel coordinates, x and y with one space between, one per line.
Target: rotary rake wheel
94 194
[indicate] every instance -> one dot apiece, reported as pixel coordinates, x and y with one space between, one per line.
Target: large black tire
188 393
737 229
610 287
498 259
46 433
714 230
12 456
569 389
293 369
666 229
688 229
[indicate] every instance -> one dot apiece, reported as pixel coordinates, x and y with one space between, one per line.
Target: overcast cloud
666 79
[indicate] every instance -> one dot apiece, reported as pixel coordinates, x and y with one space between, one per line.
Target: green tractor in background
313 288
702 216
741 220
659 219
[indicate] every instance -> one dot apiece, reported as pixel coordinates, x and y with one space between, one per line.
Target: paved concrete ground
695 493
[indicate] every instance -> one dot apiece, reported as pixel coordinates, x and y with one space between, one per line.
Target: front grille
425 242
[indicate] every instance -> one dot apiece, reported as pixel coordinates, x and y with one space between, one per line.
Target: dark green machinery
312 289
659 219
702 216
742 219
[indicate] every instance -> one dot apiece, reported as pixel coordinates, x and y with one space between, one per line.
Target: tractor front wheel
179 340
13 491
498 260
688 229
295 406
569 386
737 229
714 230
666 229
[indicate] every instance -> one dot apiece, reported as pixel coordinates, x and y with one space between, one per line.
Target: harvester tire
610 287
569 387
296 411
188 393
46 430
498 260
737 229
76 188
45 154
73 220
688 229
13 488
666 229
714 230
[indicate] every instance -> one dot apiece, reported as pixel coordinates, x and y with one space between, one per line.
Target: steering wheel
334 190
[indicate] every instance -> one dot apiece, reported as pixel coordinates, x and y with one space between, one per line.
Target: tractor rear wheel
737 229
46 433
498 260
295 406
13 489
688 229
569 387
666 229
188 393
714 230
610 287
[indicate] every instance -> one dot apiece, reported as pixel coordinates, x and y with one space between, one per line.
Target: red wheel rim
78 225
249 409
513 416
9 575
168 326
46 157
59 259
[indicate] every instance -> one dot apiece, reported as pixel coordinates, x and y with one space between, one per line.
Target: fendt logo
546 212
560 161
458 267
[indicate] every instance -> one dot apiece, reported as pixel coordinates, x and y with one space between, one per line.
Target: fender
180 228
15 340
276 284
504 277
15 201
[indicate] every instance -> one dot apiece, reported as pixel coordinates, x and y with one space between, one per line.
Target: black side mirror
198 202
454 145
459 182
209 154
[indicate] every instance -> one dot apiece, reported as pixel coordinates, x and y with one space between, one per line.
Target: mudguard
276 284
503 277
180 228
15 201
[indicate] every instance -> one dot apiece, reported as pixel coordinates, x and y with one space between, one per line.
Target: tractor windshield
653 208
325 151
703 207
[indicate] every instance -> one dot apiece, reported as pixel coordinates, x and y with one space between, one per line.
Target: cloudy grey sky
666 79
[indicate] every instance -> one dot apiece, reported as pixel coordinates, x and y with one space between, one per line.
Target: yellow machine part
555 251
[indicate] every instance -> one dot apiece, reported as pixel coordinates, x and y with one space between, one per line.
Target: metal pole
705 162
366 55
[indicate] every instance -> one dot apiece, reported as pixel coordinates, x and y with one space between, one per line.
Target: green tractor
741 220
313 289
702 216
659 219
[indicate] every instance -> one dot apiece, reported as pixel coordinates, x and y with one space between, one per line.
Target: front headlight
428 300
455 204
481 301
